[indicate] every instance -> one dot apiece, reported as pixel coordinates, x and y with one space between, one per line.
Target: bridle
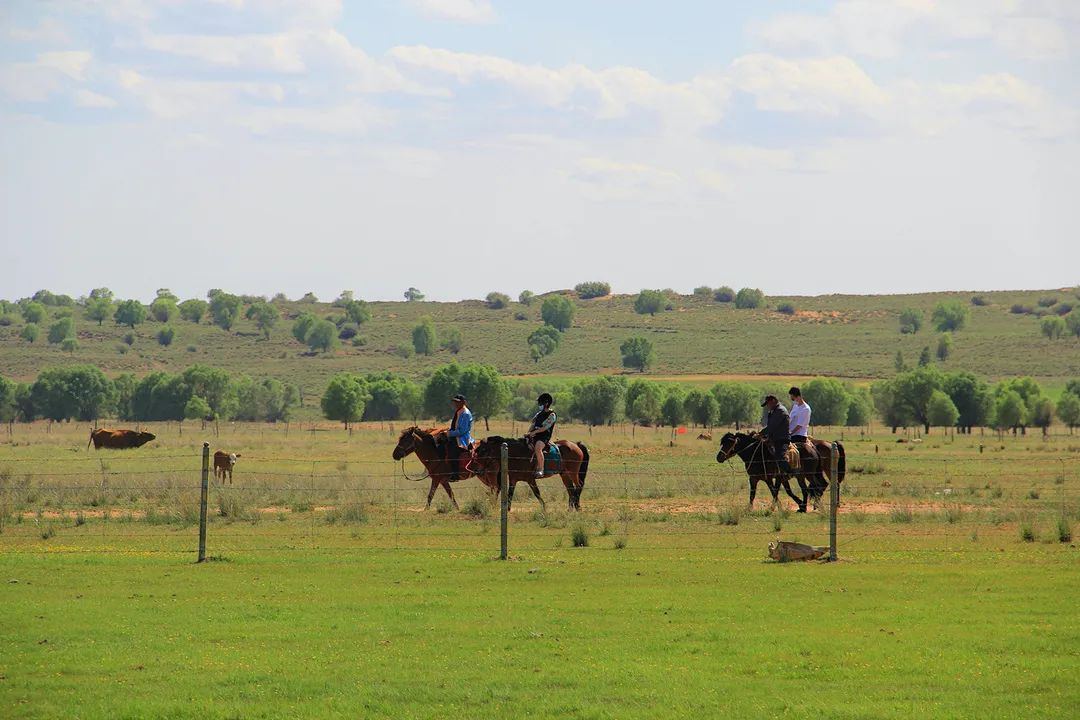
404 474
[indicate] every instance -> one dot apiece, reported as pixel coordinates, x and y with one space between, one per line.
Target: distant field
840 336
331 593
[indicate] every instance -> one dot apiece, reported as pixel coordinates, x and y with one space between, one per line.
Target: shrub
348 331
1064 529
165 336
476 508
424 339
558 312
619 543
1063 309
30 332
497 300
911 321
649 302
724 294
6 320
61 330
526 297
579 535
786 308
730 515
1047 302
979 301
69 345
520 316
749 299
1027 532
1052 327
703 291
902 515
404 351
593 289
950 316
350 511
359 341
192 348
451 340
1020 309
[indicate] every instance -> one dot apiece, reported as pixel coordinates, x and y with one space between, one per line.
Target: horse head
408 441
733 444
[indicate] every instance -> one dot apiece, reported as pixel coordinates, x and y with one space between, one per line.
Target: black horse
759 466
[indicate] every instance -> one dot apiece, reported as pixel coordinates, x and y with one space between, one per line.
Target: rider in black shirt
539 434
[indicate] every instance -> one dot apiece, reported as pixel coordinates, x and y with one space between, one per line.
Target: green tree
99 309
357 311
302 326
1029 392
526 297
69 345
598 400
196 408
213 384
724 294
34 312
637 353
749 299
1009 410
323 336
737 404
424 338
1072 323
898 362
163 309
649 302
1068 410
950 316
861 409
940 411
413 295
79 392
543 341
343 299
265 400
944 346
193 310
1053 327
924 357
166 294
345 399
673 411
392 397
913 391
703 291
225 310
643 402
972 398
911 321
451 340
165 336
8 410
101 293
487 392
444 383
265 316
30 332
702 408
61 330
130 313
558 312
592 289
1041 414
887 403
497 300
829 400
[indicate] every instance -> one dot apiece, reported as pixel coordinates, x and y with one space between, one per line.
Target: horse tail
584 468
841 464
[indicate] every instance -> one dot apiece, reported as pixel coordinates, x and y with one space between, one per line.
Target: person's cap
767 399
458 398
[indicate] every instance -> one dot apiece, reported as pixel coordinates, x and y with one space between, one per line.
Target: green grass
333 594
699 341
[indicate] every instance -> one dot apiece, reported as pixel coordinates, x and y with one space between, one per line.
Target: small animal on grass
784 551
224 463
704 436
118 439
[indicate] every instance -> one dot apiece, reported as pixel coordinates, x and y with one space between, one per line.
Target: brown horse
819 479
761 467
575 465
425 443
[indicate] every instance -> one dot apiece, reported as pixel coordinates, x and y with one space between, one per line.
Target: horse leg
510 495
450 492
431 492
783 479
753 491
536 492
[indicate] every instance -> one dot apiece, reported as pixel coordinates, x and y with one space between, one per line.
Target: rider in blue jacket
460 434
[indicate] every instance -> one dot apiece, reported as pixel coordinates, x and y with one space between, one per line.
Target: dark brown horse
574 467
427 446
819 481
761 467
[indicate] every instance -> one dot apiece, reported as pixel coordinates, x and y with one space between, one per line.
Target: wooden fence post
504 499
202 500
834 498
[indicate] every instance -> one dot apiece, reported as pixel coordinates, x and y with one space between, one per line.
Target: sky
468 146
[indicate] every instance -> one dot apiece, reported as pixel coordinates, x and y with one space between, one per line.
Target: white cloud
464 11
49 72
1029 29
826 86
89 99
72 63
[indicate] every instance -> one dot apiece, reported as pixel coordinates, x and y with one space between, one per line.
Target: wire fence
340 506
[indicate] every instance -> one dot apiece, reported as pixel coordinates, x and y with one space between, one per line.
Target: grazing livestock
118 439
224 463
705 436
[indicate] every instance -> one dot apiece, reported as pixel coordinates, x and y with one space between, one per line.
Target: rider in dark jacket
541 429
776 433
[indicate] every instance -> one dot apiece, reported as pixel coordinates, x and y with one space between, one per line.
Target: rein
425 476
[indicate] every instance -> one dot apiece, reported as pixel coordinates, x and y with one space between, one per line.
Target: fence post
834 498
504 499
202 500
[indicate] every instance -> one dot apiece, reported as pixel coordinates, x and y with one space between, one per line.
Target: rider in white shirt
799 417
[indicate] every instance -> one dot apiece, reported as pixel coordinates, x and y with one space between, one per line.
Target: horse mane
428 432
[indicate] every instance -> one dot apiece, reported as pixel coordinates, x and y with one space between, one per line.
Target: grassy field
333 594
839 336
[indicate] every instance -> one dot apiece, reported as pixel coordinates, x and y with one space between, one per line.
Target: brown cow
118 439
224 463
705 436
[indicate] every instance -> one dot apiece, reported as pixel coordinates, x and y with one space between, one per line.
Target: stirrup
539 474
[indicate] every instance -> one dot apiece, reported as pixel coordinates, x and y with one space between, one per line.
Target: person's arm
456 430
465 425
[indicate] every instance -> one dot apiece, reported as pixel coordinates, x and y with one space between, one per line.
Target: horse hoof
801 509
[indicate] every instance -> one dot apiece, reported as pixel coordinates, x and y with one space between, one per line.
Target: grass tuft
579 536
